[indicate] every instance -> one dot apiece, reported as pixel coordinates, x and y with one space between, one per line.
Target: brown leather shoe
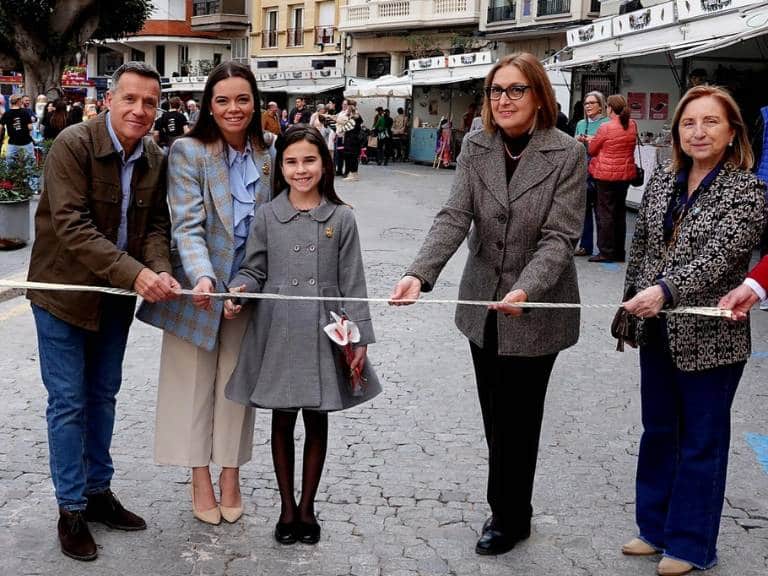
75 538
106 508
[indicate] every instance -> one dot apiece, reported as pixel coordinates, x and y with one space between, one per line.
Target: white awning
450 75
304 89
186 87
608 56
725 42
383 87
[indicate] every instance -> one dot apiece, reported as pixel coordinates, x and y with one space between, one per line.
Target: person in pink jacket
613 168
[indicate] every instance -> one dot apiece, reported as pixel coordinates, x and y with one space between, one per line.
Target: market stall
390 92
447 94
649 55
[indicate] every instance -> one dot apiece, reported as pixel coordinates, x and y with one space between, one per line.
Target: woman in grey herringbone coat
520 187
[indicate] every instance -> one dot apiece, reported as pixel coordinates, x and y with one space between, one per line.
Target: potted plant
19 179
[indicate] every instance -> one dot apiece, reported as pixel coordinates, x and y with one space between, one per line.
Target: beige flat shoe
637 547
212 516
231 514
672 567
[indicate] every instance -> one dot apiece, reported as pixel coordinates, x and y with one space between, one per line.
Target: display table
650 157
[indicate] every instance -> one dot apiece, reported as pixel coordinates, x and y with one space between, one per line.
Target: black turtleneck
513 147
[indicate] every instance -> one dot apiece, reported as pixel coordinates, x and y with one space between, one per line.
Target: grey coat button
296 248
311 247
311 281
294 282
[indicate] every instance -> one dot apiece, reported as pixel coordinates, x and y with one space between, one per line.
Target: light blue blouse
246 196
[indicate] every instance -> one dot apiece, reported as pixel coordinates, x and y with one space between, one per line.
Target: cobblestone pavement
403 492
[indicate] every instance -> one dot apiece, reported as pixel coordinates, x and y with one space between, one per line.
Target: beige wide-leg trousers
196 424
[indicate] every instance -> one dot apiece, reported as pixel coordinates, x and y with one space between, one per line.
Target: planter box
14 224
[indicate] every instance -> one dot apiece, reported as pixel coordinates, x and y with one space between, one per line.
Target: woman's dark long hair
205 129
58 118
303 132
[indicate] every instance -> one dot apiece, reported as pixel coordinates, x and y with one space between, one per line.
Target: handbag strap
637 148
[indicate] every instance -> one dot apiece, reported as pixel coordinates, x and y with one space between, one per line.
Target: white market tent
383 87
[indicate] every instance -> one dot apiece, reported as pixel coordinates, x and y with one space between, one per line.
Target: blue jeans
81 371
683 459
13 149
588 230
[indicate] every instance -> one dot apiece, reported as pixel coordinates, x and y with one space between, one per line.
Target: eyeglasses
513 91
591 103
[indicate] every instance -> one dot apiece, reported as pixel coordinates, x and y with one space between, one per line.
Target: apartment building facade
296 48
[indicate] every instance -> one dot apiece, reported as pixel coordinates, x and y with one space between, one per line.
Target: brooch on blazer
266 167
329 232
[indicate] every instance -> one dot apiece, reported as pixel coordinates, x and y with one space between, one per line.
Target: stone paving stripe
759 444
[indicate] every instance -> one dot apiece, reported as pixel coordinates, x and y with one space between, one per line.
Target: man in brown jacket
270 119
102 221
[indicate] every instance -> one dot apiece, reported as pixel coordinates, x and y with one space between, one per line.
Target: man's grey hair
271 104
140 68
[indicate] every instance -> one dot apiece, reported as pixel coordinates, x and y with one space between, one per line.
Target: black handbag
639 171
624 325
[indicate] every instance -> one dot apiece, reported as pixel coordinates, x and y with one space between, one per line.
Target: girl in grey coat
304 242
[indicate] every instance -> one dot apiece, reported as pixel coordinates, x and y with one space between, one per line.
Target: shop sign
636 102
688 9
659 106
458 60
12 79
645 19
75 76
428 63
327 73
298 75
594 32
271 76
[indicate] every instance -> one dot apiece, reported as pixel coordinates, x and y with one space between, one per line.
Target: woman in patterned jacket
218 174
695 232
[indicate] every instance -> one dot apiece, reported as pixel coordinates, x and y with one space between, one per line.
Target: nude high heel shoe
212 516
231 514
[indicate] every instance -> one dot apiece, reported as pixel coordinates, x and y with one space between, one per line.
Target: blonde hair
541 90
740 154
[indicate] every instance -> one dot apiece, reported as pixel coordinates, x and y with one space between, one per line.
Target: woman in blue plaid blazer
217 176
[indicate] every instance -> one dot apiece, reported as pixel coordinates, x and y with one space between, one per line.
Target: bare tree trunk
43 76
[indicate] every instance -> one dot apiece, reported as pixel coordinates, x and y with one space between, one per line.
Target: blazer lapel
490 165
534 165
217 180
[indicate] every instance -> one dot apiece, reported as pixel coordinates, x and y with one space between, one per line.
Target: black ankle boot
104 507
75 538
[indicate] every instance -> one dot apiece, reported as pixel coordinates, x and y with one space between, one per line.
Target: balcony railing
553 7
269 39
295 37
394 13
325 35
502 13
219 15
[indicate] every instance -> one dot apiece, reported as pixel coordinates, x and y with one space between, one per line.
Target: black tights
283 457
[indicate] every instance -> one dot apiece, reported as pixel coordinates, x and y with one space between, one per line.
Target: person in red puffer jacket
613 168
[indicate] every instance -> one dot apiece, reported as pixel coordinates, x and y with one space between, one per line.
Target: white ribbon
711 311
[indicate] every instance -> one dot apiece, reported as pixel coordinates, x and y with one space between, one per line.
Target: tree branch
68 13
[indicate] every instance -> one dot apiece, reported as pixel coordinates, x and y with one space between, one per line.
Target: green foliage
18 175
35 18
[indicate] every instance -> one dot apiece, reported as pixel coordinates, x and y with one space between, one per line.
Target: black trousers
511 390
351 163
612 218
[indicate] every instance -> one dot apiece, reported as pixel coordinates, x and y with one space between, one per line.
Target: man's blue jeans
14 149
82 371
683 459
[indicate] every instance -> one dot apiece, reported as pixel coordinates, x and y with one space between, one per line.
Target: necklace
511 156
